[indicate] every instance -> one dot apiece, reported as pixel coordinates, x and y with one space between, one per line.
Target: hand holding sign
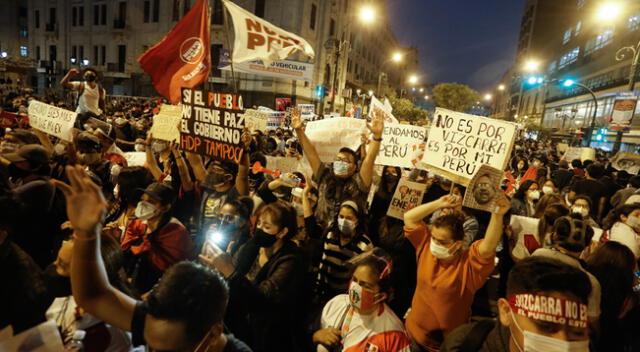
296 122
501 205
449 201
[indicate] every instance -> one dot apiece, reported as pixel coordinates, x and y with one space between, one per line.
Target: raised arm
308 149
376 127
183 169
487 246
242 179
152 163
65 80
414 216
197 166
86 207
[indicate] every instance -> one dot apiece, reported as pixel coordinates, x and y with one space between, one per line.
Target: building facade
14 47
110 35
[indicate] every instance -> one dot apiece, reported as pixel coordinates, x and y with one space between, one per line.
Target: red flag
181 58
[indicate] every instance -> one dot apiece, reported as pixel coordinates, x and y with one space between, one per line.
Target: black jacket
262 311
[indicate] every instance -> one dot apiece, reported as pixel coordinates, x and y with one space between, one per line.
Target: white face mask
634 222
534 195
580 210
535 342
145 210
547 190
346 226
438 251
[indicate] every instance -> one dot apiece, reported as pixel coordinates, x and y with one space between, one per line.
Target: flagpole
228 41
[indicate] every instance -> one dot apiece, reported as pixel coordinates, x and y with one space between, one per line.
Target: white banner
460 143
329 135
165 124
288 69
257 39
572 153
136 158
52 120
399 145
307 111
386 110
288 165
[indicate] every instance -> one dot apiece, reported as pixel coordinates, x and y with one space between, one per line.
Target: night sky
464 41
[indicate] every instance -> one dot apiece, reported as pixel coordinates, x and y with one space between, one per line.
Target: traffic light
321 91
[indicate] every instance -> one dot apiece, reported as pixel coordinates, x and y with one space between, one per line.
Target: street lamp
501 87
85 62
426 97
488 97
396 57
413 79
570 83
367 14
609 11
421 90
531 65
4 54
621 54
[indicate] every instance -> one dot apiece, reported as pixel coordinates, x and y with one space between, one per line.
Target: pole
632 82
335 76
226 35
595 112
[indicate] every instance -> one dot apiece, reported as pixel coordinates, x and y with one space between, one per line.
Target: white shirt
89 100
624 234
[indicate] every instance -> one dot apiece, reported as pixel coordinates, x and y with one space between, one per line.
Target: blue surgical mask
340 168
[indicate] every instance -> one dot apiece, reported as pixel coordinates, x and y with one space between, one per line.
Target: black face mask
17 173
90 78
389 178
212 179
263 239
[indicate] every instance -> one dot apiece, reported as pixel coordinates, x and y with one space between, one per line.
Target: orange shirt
445 290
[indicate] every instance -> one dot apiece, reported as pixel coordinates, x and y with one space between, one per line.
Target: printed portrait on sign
483 189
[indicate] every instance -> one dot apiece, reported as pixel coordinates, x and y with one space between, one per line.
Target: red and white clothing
380 331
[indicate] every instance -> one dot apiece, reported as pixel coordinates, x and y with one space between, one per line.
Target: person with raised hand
183 312
448 274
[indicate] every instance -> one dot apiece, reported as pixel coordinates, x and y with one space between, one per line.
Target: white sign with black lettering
52 120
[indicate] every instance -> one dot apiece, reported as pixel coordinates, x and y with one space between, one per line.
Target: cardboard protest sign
329 135
407 196
52 120
483 189
624 108
256 120
212 124
459 144
399 143
136 158
587 154
562 147
165 124
99 124
377 105
626 161
572 154
41 338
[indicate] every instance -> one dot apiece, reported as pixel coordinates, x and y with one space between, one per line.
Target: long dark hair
362 221
524 187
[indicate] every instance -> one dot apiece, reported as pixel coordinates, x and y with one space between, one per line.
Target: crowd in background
188 253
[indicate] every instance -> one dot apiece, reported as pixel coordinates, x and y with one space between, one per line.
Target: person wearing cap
570 236
27 163
344 239
14 139
524 324
155 240
89 154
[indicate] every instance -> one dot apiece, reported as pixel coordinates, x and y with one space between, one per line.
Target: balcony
119 23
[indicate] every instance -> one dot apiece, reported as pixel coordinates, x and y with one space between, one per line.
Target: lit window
570 57
23 51
634 22
566 37
578 28
600 41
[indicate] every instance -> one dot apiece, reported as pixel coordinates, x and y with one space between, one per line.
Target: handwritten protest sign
460 143
399 143
572 154
377 105
136 158
407 196
52 120
212 124
256 120
626 161
483 189
165 124
329 135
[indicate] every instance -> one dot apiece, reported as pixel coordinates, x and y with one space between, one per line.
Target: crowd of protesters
188 253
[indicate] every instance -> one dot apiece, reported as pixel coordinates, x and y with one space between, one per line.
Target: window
38 53
156 10
332 27
53 53
22 11
600 41
95 55
578 28
24 33
36 18
81 56
81 16
581 3
186 6
103 54
567 36
23 50
122 11
259 10
103 14
96 15
634 22
52 15
175 14
218 15
74 52
122 57
74 16
312 21
570 57
147 11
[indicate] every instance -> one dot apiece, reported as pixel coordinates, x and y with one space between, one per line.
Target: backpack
101 94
